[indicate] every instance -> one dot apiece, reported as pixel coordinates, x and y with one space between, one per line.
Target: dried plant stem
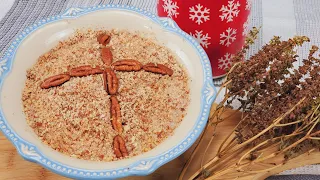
232 143
198 145
232 68
216 161
251 150
275 122
264 170
225 140
187 164
314 125
206 150
303 127
200 170
228 169
247 163
225 84
278 153
286 124
315 133
217 113
281 151
222 172
226 159
232 150
315 111
223 119
240 167
260 160
274 142
269 134
255 87
311 150
218 109
229 117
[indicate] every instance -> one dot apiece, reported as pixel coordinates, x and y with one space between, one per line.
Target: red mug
219 26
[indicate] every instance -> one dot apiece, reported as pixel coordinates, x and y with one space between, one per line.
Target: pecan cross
111 84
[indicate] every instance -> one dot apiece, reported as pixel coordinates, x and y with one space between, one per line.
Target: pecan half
55 81
85 71
106 56
116 115
127 65
111 82
119 147
158 68
103 39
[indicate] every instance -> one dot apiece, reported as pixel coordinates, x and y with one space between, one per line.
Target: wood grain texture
13 166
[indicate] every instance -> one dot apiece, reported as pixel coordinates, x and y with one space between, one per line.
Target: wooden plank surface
13 166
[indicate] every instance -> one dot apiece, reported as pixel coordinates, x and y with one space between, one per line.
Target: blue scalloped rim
142 167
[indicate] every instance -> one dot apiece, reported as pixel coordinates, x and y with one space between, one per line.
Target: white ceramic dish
43 36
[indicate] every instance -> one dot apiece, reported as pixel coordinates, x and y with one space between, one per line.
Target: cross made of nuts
111 84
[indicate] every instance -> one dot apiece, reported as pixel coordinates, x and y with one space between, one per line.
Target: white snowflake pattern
228 37
248 4
201 38
230 11
198 14
225 62
246 27
171 8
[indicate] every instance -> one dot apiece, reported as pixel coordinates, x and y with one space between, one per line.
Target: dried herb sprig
280 106
220 109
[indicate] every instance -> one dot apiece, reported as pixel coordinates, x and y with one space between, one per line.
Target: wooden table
13 166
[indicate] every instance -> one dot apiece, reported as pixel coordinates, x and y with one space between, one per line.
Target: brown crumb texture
74 118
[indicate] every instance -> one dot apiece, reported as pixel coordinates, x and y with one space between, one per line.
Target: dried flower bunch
279 105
